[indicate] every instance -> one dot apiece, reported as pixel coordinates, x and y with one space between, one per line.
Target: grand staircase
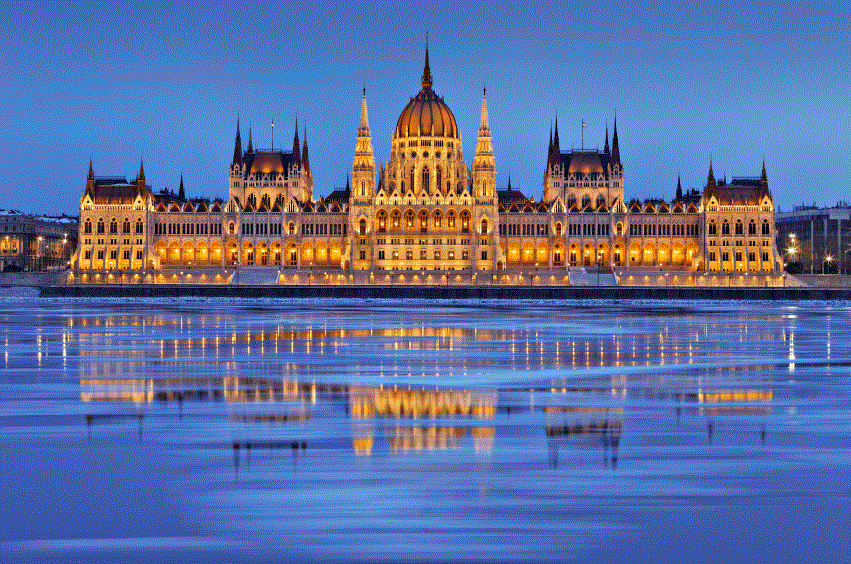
591 276
256 276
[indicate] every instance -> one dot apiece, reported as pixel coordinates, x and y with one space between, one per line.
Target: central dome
427 114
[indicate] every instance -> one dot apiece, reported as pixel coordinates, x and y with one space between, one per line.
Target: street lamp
828 259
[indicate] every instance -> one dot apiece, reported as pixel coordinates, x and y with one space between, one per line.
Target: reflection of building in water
591 425
364 404
735 402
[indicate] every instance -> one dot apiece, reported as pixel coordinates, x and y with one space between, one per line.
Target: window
363 226
739 227
725 228
363 254
766 229
484 226
88 226
113 226
713 229
380 255
126 227
752 228
484 254
101 226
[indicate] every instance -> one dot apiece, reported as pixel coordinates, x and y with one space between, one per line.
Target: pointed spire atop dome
181 193
92 172
679 195
764 177
606 146
426 71
250 144
363 129
141 177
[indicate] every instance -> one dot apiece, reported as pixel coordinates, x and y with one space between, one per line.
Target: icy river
227 430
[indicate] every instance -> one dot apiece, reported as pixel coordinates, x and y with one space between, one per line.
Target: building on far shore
426 217
815 240
36 242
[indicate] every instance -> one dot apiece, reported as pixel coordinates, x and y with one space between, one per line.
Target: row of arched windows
739 227
113 226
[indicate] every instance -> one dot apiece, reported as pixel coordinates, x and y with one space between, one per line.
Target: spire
555 139
304 160
606 146
181 193
237 147
296 145
763 178
92 172
141 177
484 126
616 153
710 179
347 183
426 71
250 144
679 188
363 129
509 181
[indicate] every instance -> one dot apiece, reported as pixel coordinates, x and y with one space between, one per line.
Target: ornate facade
425 211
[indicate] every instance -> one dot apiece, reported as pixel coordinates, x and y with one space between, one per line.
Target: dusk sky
122 81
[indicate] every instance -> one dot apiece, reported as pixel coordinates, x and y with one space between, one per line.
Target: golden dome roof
427 114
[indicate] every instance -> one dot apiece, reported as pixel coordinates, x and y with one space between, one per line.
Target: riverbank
448 292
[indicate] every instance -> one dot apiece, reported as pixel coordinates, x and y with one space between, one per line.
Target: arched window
439 178
113 226
425 185
126 227
291 228
438 219
766 228
396 217
382 221
465 221
231 228
363 226
484 225
725 228
140 227
713 229
423 221
363 187
450 220
740 230
409 254
412 179
558 228
409 219
88 226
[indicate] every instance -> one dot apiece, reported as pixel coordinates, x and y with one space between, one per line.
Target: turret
484 170
363 165
606 146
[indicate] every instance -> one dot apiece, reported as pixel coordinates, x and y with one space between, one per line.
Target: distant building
422 214
34 242
815 240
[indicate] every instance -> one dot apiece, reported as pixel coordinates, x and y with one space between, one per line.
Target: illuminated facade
424 211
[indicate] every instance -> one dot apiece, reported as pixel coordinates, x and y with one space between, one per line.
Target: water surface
229 430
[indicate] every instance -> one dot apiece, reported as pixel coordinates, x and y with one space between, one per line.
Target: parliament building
425 217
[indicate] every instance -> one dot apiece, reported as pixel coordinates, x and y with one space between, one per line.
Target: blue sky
120 81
